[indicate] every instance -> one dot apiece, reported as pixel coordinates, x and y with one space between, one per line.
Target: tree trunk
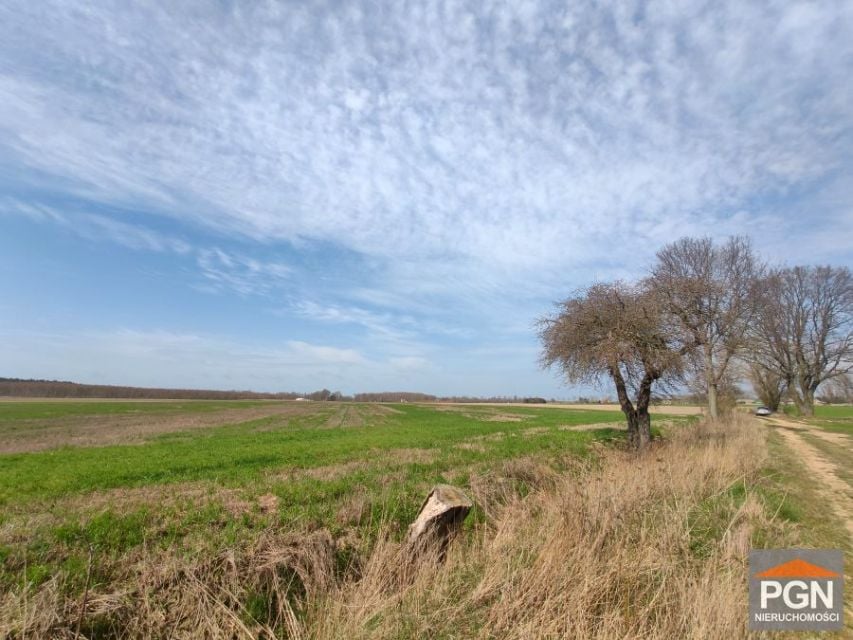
771 397
807 408
639 421
711 382
627 407
803 397
641 415
633 430
644 429
712 400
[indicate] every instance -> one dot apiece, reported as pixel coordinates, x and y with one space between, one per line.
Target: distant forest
20 388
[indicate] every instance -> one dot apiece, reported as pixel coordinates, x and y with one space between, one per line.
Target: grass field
295 466
836 417
304 438
284 519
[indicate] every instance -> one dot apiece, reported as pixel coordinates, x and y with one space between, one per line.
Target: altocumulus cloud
459 149
499 131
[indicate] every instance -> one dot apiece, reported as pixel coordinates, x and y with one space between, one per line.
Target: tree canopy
614 331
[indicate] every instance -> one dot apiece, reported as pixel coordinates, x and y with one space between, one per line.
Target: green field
239 454
834 417
343 467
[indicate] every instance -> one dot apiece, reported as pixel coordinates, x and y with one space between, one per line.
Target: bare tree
614 331
710 292
769 385
839 390
805 330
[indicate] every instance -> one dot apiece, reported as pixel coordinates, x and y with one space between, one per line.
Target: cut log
439 520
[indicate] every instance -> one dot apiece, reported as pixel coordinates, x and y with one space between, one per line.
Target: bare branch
710 293
614 331
805 333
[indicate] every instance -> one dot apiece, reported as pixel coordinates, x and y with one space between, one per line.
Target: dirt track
836 491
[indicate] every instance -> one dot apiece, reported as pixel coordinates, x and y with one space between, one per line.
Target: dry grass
604 551
595 426
503 417
606 555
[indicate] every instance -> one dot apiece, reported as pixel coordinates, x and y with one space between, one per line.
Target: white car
763 411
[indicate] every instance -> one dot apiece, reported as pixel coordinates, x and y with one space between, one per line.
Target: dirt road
837 492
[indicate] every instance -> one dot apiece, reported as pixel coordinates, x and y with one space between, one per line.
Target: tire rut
836 491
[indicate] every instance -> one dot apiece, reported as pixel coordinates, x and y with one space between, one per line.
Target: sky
369 196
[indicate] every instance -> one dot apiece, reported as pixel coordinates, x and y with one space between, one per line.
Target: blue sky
369 196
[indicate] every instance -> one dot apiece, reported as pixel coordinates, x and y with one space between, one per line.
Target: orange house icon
797 569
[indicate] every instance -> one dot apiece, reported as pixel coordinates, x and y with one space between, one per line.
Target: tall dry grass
613 553
650 546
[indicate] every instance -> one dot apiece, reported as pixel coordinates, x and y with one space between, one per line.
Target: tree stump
439 520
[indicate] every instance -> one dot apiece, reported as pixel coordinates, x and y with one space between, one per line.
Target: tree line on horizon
33 388
705 316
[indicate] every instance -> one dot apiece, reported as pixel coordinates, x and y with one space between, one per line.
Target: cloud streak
220 271
235 272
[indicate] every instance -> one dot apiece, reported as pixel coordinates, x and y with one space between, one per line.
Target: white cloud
222 270
471 160
493 133
385 325
132 236
35 212
98 227
162 358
